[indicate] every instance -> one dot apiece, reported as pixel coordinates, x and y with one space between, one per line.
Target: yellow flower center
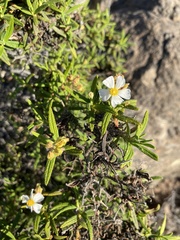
30 202
113 91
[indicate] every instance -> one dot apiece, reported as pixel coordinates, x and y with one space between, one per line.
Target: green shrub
76 149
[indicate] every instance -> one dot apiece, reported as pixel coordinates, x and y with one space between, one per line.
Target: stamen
113 91
30 202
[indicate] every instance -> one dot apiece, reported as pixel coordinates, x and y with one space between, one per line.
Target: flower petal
125 93
115 100
104 94
37 207
32 193
38 197
109 82
24 198
120 82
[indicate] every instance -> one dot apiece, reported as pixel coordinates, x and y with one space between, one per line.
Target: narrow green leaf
48 230
14 44
105 122
104 108
8 234
37 236
3 56
59 206
73 51
36 223
52 122
60 237
94 90
163 226
142 126
36 134
129 152
74 8
68 208
94 85
41 8
127 119
90 213
72 150
72 220
53 7
146 151
30 6
24 10
89 226
79 97
48 170
56 193
134 218
130 104
59 31
9 30
53 225
1 50
16 21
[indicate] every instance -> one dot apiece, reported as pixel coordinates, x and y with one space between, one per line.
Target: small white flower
33 201
117 91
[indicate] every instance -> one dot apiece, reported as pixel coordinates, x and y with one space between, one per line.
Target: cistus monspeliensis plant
74 150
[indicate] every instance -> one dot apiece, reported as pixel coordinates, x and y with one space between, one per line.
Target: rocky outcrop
153 69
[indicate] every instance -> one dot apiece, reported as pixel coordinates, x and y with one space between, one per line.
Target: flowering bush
78 141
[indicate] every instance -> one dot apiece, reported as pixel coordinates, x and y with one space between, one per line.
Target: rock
153 71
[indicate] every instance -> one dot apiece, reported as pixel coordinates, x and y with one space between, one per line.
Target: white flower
33 201
117 91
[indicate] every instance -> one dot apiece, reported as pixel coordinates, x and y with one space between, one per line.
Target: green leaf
68 208
56 193
94 85
52 122
14 44
59 206
53 225
8 234
134 218
146 151
104 108
24 10
72 150
16 21
74 8
53 7
1 50
72 220
79 97
36 223
48 170
42 7
95 90
59 31
37 236
9 30
163 226
129 152
130 104
142 126
60 237
127 119
4 56
48 229
30 6
89 225
105 122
